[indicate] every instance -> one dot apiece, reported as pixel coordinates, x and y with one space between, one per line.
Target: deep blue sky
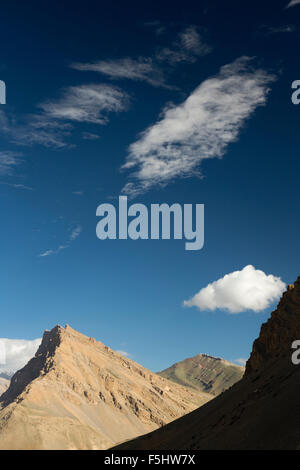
129 294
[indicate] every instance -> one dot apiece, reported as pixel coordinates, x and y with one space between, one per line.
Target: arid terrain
261 411
4 383
77 393
205 373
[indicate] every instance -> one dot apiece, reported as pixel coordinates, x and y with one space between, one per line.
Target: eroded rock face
278 333
77 393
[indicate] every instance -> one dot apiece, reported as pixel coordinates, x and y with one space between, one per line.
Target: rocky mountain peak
278 333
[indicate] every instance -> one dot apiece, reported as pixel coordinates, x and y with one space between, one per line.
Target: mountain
205 373
77 393
4 383
261 411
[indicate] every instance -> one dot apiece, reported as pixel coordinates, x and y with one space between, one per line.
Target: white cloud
269 30
123 353
55 122
17 353
73 235
248 289
87 103
241 361
141 69
186 48
293 3
200 128
8 161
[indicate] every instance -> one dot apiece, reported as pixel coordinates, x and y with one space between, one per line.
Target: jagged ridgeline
77 393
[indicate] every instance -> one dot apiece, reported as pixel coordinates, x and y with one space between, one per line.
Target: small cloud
55 120
123 353
74 234
46 253
78 193
90 136
293 3
240 361
270 30
16 353
141 69
8 161
239 291
87 103
187 48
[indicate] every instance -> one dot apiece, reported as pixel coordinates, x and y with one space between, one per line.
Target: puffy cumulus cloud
15 353
248 289
200 128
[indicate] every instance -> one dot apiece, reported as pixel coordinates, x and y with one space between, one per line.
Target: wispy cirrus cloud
141 69
86 103
198 129
270 30
188 46
73 235
293 3
247 289
8 161
54 123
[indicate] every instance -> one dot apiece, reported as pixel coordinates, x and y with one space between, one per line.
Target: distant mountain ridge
77 393
204 373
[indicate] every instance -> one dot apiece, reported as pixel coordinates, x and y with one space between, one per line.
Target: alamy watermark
296 94
2 92
296 354
161 221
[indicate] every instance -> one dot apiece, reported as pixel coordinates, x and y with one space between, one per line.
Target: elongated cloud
87 103
15 353
200 128
141 69
56 118
73 235
8 161
248 289
293 3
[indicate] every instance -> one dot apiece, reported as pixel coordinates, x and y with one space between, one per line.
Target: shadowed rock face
278 333
261 411
76 393
204 373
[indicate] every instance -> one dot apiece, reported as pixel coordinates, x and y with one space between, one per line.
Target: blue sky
83 83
